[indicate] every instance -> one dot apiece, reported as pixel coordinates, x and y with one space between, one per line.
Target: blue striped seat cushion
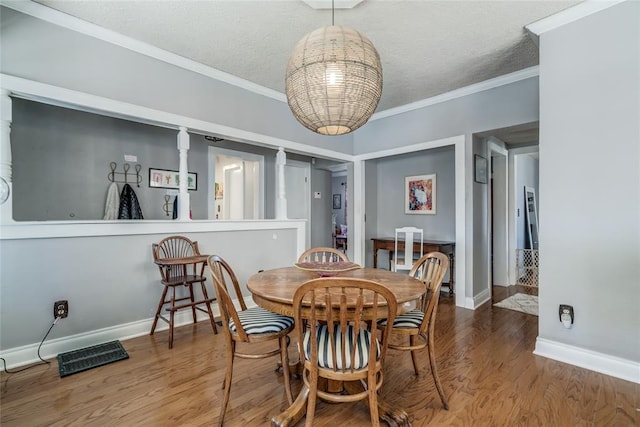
257 320
411 319
325 357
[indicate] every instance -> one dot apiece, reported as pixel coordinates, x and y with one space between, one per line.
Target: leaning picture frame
420 194
337 201
165 178
480 168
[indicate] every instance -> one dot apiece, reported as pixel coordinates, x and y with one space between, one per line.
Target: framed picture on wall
163 178
480 168
420 194
337 201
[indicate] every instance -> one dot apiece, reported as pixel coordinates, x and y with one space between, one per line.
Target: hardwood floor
485 359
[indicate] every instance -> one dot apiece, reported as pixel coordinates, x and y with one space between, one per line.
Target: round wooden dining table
274 290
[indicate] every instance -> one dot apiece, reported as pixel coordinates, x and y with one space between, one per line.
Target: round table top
274 289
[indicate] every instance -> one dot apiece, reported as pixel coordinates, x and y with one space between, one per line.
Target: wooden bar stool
181 265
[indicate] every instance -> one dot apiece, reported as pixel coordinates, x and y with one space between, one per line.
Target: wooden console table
389 243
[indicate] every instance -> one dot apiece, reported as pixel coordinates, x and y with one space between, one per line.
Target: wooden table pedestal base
294 413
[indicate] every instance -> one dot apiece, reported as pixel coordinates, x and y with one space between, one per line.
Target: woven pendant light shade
334 80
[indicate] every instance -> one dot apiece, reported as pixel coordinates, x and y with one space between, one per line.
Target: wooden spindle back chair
334 318
419 324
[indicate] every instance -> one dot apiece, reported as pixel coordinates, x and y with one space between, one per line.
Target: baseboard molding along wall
599 362
28 354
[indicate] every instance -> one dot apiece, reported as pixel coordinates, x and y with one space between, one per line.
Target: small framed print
337 201
163 178
480 168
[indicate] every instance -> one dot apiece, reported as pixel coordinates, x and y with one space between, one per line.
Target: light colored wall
44 52
480 222
590 183
111 281
504 106
61 160
499 219
320 221
385 197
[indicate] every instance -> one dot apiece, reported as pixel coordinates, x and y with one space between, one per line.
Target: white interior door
297 189
234 199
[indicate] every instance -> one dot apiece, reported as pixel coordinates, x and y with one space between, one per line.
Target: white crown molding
567 16
68 98
75 24
606 364
459 93
328 4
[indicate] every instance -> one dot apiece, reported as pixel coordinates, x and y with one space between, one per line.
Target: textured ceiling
427 47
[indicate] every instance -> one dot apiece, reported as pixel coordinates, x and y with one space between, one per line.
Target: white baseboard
599 362
476 301
28 354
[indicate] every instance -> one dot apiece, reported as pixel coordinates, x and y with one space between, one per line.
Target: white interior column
6 213
281 198
184 201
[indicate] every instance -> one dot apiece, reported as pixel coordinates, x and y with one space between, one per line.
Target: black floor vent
87 358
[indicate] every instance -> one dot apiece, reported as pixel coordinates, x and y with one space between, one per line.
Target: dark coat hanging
129 206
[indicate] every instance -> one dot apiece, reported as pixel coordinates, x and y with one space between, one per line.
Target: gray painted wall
590 181
480 209
110 280
44 52
508 105
320 221
385 197
504 106
61 161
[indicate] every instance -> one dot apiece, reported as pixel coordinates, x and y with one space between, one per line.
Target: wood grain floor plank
485 359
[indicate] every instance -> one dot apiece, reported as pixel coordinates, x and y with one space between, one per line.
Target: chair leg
373 400
211 317
284 354
313 396
160 305
434 372
231 349
193 300
414 353
172 313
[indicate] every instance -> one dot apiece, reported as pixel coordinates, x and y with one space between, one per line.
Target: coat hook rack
125 177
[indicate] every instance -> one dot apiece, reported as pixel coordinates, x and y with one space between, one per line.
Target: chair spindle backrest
410 236
430 269
222 275
323 255
176 247
348 306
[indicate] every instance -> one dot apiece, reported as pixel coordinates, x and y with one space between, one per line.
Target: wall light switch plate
317 195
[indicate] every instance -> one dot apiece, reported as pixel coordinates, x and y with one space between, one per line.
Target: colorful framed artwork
420 194
163 178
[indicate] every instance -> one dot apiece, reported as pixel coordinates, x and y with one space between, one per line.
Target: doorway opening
236 187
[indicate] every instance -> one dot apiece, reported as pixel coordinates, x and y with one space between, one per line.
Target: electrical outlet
61 308
566 315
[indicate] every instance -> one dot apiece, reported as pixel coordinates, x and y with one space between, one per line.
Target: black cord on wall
4 362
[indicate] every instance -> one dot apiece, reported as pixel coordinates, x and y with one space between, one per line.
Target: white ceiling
427 47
